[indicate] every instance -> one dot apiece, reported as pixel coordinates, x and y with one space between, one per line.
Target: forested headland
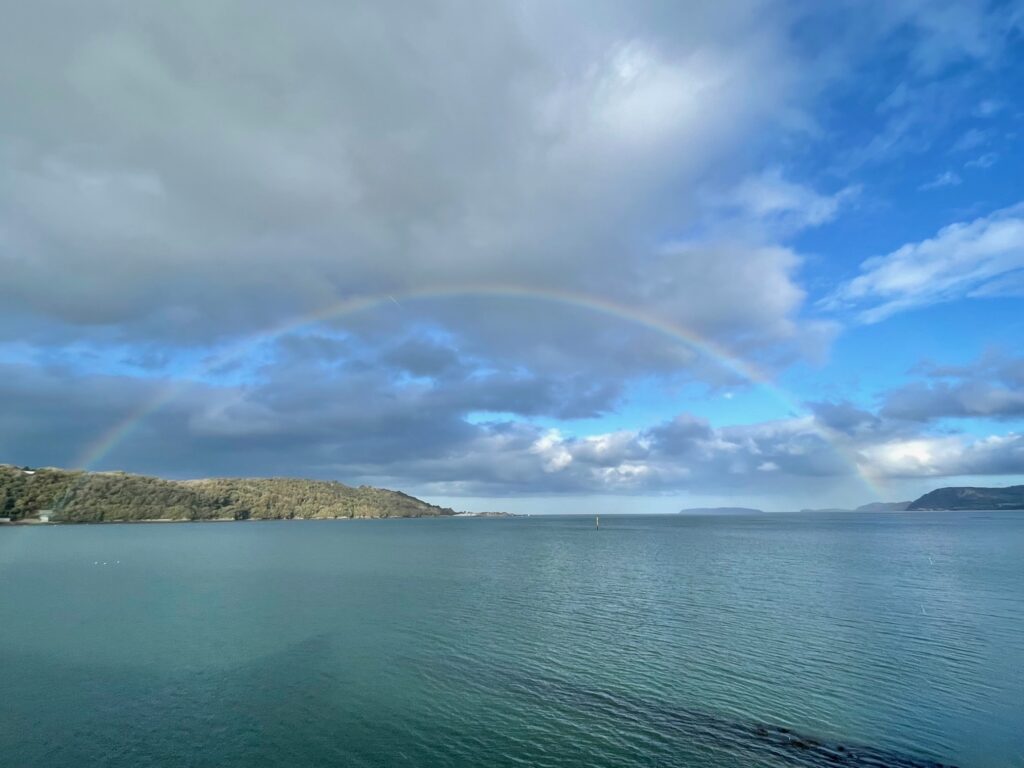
71 496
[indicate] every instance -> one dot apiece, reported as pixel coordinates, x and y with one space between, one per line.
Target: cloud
921 402
972 139
989 108
962 260
909 437
165 187
847 419
162 187
945 179
982 161
937 41
1011 284
912 118
991 388
769 204
947 457
450 432
950 31
358 424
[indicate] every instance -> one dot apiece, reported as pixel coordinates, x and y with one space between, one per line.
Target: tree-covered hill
88 497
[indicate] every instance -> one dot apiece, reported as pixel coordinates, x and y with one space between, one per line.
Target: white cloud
550 447
971 139
949 30
989 108
945 179
902 458
982 161
963 259
950 456
780 205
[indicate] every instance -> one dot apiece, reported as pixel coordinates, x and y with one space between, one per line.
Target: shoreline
158 520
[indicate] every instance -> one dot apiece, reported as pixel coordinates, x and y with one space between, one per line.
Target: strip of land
50 495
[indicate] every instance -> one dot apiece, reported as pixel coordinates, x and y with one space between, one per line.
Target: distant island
874 506
884 506
721 511
942 499
68 496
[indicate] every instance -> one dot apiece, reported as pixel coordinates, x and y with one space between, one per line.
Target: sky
535 257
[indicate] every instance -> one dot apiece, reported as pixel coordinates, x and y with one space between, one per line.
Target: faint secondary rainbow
105 443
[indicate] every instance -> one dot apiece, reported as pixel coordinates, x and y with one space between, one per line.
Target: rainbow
96 450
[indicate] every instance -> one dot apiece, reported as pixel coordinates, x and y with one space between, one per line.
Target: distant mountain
1011 497
88 497
721 511
827 509
884 506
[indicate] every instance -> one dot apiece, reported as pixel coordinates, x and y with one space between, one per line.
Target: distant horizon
599 505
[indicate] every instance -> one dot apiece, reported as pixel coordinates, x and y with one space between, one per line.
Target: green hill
91 497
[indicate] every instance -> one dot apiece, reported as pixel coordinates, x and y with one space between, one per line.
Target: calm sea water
779 640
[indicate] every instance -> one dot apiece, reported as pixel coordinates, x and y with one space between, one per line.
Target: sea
846 639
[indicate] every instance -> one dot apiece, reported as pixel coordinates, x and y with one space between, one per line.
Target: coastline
157 520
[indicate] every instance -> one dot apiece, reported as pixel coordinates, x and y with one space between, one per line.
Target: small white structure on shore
44 516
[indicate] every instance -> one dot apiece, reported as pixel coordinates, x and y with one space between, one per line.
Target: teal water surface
777 640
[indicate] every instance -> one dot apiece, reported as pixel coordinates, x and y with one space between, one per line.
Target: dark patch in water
759 740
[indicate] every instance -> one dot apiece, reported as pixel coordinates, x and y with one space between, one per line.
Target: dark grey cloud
992 388
359 424
363 426
846 421
681 436
423 357
845 417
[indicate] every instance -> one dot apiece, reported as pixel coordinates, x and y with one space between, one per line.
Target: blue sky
594 256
